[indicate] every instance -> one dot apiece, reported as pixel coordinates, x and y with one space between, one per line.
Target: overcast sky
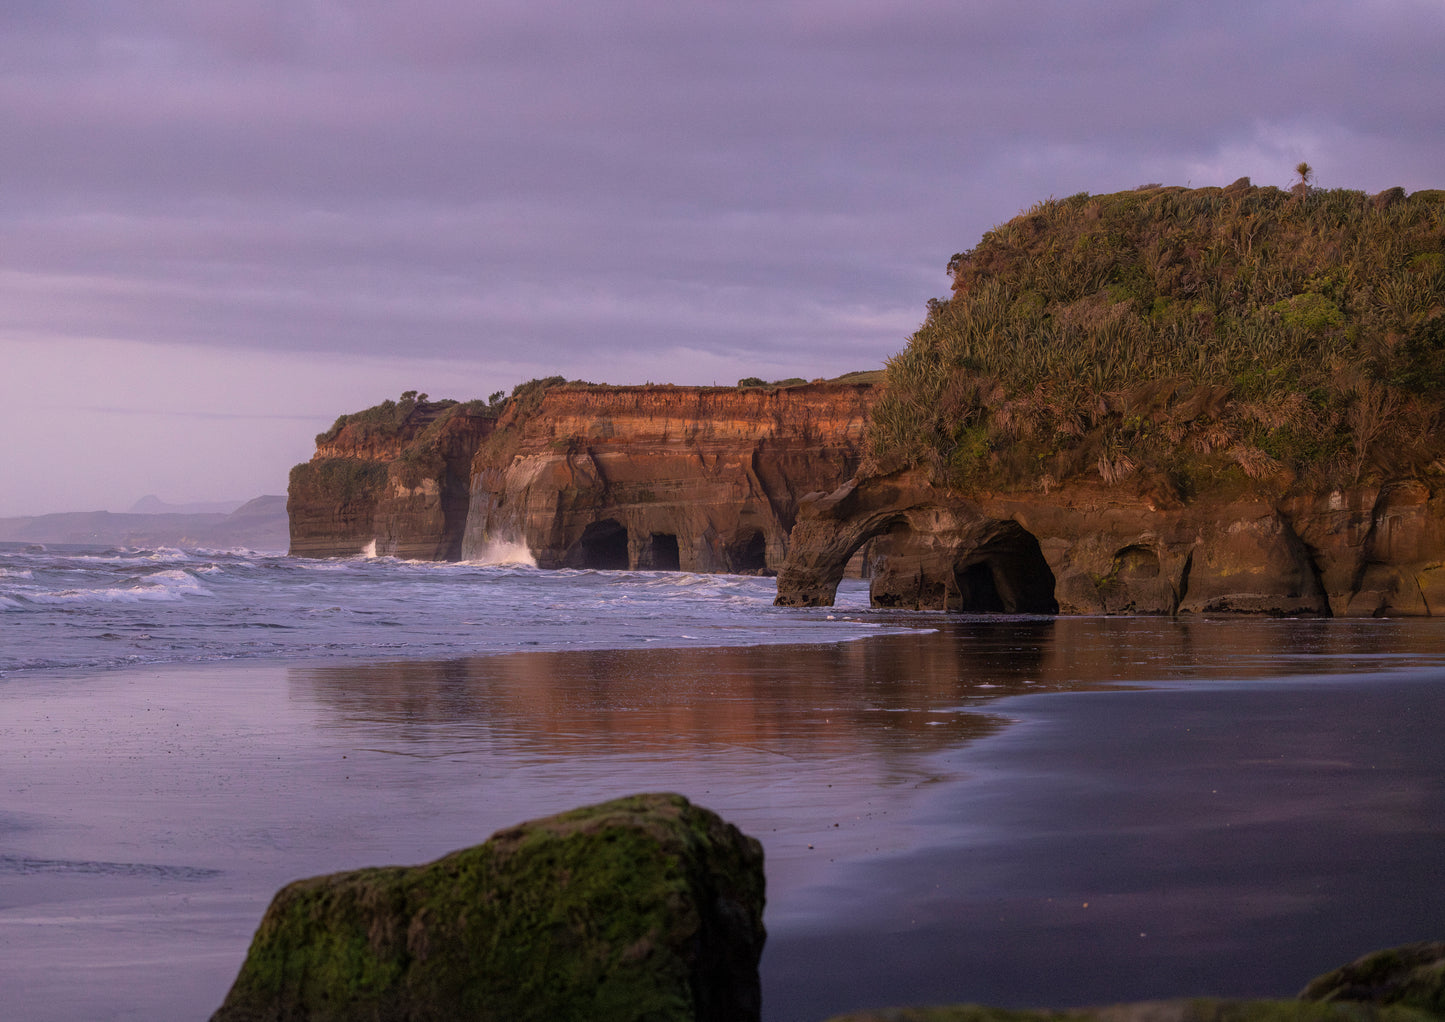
224 223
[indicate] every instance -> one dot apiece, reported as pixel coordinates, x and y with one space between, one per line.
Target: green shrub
1311 312
1268 310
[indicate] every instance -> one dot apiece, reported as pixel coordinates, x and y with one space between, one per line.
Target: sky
222 224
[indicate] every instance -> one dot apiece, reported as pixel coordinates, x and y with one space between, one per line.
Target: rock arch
925 556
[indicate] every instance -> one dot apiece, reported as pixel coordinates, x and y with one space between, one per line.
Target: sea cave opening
604 546
1007 574
748 554
977 591
662 553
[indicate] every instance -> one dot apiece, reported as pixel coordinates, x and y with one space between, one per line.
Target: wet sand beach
1240 804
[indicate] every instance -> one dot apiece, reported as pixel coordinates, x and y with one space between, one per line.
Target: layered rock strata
405 491
680 478
764 480
664 478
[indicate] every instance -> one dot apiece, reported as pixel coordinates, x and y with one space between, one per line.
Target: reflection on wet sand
901 694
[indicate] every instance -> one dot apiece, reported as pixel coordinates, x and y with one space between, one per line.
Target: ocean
104 607
1008 810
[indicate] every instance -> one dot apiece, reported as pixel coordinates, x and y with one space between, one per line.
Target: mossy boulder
645 907
1412 975
1192 1010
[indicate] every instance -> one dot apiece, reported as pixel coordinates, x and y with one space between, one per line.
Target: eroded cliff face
766 479
655 477
681 478
1091 549
406 491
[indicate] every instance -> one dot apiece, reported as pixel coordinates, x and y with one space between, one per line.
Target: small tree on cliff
1305 172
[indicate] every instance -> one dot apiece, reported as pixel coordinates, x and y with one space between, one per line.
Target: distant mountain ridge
150 504
258 524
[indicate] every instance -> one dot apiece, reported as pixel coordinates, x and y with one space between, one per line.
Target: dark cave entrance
604 546
662 553
1005 575
977 592
748 554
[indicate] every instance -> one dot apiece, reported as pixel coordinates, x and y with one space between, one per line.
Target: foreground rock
646 907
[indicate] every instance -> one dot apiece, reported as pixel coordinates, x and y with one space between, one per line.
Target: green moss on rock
1412 975
646 907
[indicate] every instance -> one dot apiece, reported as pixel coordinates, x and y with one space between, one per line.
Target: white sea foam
163 586
165 553
505 552
76 607
369 551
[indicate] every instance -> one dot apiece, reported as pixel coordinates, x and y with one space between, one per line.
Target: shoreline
122 788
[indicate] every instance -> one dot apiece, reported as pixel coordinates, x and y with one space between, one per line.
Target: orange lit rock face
765 480
695 479
1097 549
681 478
407 493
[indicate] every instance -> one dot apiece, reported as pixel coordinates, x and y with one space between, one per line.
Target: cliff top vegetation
414 413
415 418
1186 337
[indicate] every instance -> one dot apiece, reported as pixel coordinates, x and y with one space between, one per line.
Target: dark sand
1274 808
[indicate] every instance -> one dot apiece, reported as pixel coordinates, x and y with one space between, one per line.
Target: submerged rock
645 907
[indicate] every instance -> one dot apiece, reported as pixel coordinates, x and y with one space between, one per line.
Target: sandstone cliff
654 477
690 478
760 479
1095 549
1163 401
399 481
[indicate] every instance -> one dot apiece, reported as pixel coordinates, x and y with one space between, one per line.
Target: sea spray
510 552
